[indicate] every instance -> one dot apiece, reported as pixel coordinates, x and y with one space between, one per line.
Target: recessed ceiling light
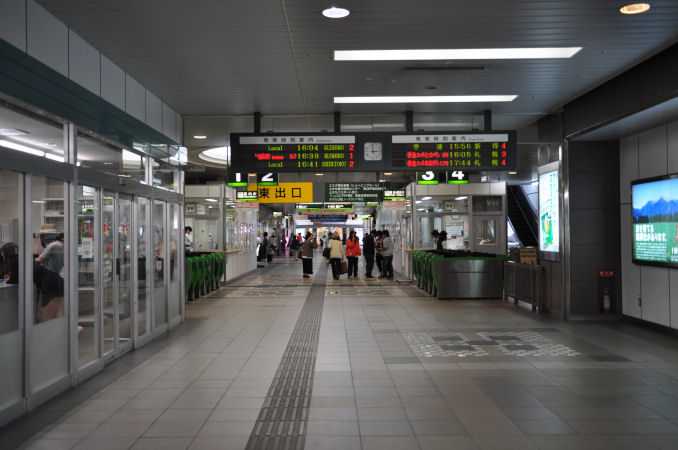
417 202
421 209
463 197
635 8
336 13
319 174
124 175
428 99
211 200
456 54
217 155
388 173
200 136
426 198
382 180
513 172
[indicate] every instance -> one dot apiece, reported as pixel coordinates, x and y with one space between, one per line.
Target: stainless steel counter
469 278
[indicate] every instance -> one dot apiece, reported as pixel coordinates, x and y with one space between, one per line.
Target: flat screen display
655 221
549 212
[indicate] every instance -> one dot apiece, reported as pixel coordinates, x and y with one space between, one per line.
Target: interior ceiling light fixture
319 174
388 173
635 8
463 197
336 13
217 155
428 99
452 54
21 148
513 172
427 198
200 136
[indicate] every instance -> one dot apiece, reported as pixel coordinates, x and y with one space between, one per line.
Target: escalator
523 218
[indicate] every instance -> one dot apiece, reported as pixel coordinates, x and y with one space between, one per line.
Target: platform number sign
236 179
267 179
430 177
457 177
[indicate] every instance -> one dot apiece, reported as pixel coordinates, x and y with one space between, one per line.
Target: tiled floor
395 369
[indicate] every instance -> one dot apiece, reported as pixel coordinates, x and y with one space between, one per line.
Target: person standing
387 254
188 239
336 255
352 254
294 246
263 247
368 251
379 257
307 255
52 259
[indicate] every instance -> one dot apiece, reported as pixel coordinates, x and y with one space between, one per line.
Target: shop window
25 132
109 159
488 203
486 232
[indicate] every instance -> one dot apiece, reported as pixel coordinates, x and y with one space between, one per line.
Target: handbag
326 252
343 268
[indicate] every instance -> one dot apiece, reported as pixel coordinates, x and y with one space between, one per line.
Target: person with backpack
352 254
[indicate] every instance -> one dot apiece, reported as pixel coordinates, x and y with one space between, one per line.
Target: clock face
373 151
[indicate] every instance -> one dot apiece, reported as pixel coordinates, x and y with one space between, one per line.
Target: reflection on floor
395 369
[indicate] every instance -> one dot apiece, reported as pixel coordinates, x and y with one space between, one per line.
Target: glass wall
124 269
159 251
108 269
144 267
176 263
11 289
110 159
87 275
49 341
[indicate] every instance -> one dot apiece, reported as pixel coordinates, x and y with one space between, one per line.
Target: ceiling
238 56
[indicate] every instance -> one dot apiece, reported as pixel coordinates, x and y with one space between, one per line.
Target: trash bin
607 291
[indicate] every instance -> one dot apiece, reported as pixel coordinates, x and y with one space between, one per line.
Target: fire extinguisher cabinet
607 292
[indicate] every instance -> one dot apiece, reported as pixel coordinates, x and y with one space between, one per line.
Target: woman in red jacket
352 254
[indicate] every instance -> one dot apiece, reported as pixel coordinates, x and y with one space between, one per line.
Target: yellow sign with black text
284 193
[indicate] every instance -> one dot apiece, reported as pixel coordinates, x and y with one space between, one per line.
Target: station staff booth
91 236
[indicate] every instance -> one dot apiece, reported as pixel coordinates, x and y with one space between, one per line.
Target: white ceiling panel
215 57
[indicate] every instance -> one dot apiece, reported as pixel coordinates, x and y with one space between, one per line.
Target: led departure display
277 153
463 151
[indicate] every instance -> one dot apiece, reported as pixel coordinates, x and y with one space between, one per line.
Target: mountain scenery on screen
661 210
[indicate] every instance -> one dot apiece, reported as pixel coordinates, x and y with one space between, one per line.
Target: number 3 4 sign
452 177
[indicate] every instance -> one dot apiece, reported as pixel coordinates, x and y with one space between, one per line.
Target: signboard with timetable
354 192
295 153
485 150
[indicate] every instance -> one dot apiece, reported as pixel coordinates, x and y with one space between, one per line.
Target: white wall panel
630 281
654 281
672 147
652 152
84 63
135 98
13 22
153 111
673 297
628 161
474 189
169 121
498 188
112 83
47 38
179 137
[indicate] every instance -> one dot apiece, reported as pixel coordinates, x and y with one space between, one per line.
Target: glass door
143 272
176 264
124 274
88 281
12 287
159 268
108 258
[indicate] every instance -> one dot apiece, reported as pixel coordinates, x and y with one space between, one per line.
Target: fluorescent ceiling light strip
21 148
428 99
456 54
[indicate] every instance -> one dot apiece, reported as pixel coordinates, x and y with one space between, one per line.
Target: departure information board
295 153
463 151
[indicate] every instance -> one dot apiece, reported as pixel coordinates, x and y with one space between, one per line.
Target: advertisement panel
549 212
655 221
